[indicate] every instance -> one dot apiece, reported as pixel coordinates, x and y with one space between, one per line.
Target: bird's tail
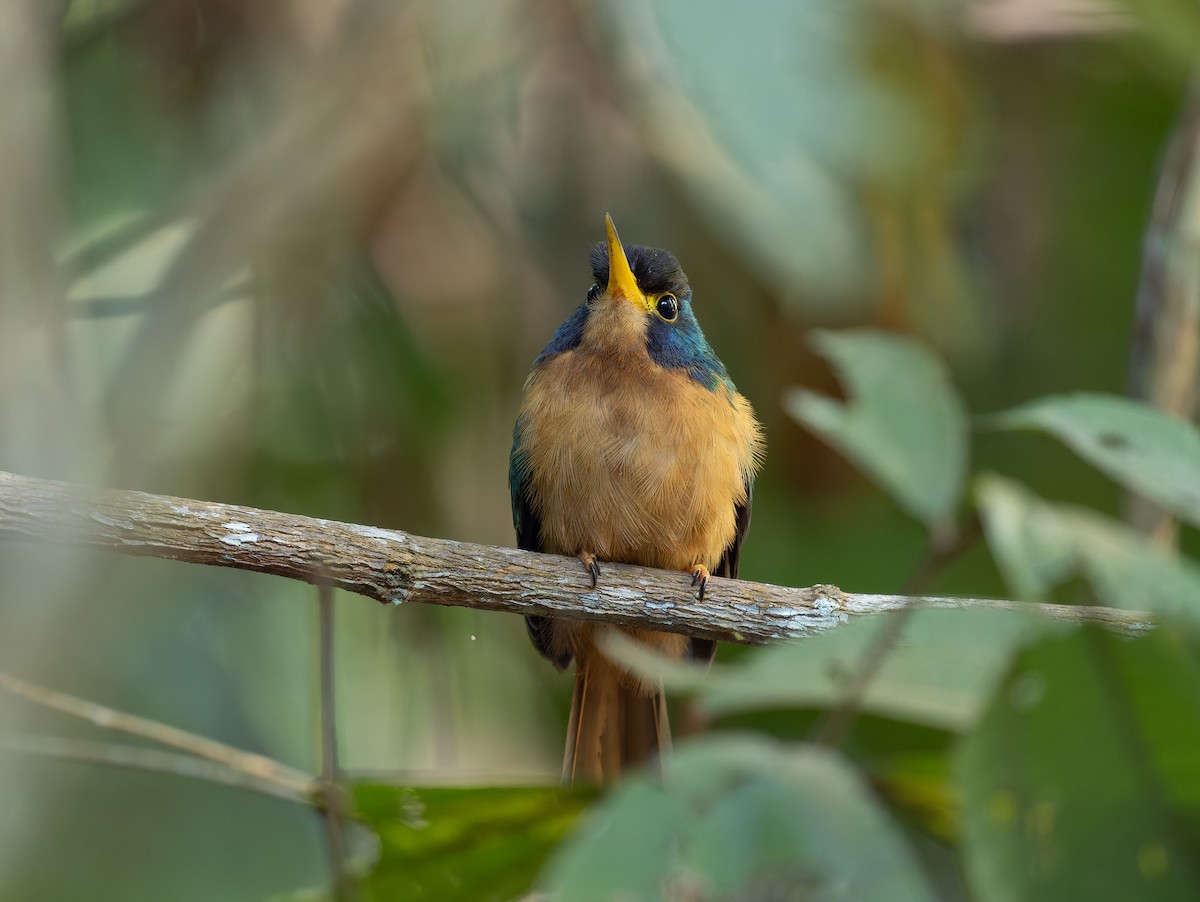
616 723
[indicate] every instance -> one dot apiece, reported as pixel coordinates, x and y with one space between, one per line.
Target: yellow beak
621 281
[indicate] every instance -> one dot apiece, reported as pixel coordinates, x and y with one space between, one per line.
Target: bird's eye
668 307
593 293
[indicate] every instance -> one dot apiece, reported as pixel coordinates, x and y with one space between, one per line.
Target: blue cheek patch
682 345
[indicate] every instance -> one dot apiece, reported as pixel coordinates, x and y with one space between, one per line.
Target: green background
300 256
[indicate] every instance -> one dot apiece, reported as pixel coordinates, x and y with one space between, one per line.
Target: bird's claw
699 578
592 565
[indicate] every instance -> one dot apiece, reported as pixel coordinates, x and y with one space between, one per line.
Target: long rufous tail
616 723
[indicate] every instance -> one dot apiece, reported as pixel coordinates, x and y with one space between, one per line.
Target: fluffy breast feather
633 462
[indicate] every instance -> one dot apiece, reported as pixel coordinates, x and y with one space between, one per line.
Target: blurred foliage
735 817
942 674
1155 454
904 424
300 255
1040 546
1081 779
472 845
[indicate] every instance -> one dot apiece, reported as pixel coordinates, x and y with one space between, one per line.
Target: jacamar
632 445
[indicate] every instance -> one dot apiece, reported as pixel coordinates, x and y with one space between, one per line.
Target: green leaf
473 845
736 817
941 673
1138 446
904 424
1039 545
1083 780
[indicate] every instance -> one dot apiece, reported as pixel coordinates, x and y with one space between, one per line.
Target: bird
631 445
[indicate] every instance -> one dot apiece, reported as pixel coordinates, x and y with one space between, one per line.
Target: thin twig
332 803
253 767
394 566
836 725
113 754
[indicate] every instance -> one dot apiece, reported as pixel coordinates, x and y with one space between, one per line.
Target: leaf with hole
1142 448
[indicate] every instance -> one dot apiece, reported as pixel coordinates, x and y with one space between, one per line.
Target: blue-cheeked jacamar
631 445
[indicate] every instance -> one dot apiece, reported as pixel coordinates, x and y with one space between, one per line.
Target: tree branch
396 567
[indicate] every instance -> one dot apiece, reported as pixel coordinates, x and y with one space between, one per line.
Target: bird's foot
592 565
699 577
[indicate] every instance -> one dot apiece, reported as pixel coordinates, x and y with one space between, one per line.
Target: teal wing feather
704 649
529 538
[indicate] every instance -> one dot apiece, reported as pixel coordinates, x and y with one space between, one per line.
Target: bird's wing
703 649
529 538
728 565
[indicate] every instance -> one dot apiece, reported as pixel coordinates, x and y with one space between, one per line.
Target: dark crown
656 270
